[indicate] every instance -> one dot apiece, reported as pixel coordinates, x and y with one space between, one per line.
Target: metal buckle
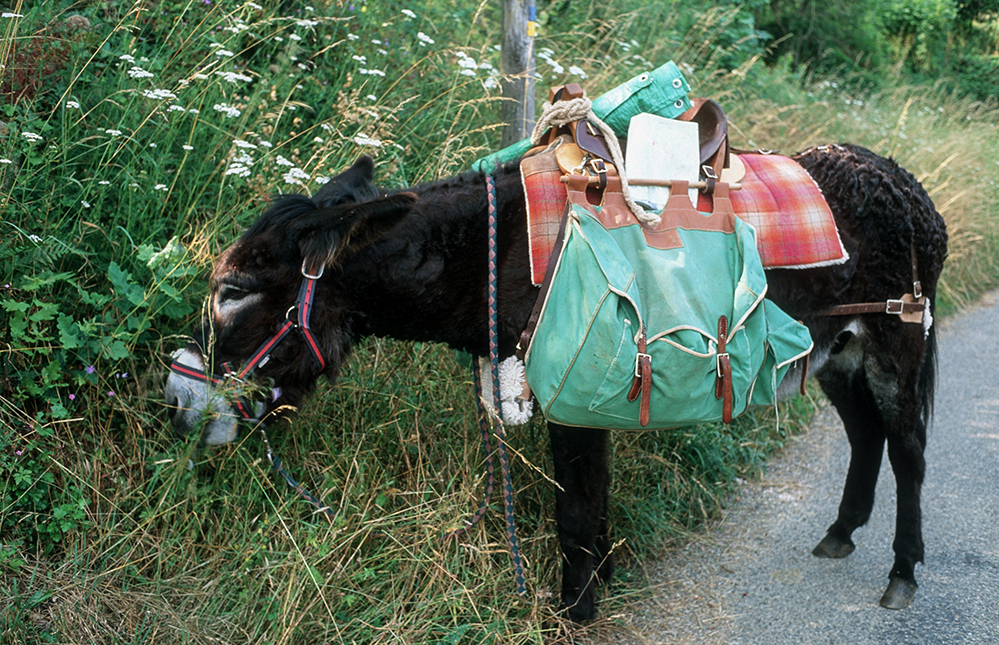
917 289
898 307
718 368
709 172
638 363
598 166
305 274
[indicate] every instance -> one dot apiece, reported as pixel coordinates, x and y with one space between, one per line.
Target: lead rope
275 462
493 415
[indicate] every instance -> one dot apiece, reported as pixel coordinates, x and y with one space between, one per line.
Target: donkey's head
273 323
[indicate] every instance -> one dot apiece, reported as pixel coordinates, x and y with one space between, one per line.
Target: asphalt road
753 581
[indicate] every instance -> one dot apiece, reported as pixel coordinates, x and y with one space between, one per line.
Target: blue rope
511 523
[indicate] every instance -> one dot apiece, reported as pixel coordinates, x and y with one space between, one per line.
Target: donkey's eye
228 292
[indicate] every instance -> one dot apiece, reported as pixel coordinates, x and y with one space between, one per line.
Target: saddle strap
905 307
532 322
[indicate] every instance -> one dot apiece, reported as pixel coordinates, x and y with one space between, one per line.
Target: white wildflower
232 77
371 72
323 180
200 77
228 110
253 5
187 147
408 13
424 39
382 52
575 70
159 95
224 52
127 58
317 140
281 161
113 133
466 61
353 37
360 59
371 97
491 83
138 72
176 108
295 176
194 111
306 23
279 39
467 72
295 37
364 140
153 145
6 161
9 14
31 136
104 182
34 238
267 144
85 203
239 143
162 187
72 105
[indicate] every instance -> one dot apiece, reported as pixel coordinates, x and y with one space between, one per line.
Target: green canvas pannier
628 335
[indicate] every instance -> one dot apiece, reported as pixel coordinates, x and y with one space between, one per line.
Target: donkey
412 265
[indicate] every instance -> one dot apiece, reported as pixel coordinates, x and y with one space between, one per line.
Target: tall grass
112 530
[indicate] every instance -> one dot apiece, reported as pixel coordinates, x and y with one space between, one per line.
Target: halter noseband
303 305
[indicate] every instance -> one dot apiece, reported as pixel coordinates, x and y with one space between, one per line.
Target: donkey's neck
426 280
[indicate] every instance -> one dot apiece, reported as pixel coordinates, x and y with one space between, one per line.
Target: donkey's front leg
582 472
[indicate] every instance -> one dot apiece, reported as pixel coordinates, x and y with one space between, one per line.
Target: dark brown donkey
412 265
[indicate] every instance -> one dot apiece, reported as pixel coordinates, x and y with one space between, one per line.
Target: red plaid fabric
794 227
546 197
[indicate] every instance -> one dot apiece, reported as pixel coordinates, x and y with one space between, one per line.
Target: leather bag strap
532 322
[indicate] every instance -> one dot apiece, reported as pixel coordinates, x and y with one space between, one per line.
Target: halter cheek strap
303 305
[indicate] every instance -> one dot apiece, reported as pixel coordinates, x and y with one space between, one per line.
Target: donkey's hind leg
876 388
844 380
582 472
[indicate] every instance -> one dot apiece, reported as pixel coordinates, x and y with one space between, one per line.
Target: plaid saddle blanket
794 227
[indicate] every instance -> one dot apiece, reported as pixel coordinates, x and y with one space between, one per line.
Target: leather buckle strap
642 383
723 384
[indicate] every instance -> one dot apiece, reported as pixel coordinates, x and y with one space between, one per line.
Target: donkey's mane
282 211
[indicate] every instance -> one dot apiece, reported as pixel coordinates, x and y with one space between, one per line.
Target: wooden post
517 70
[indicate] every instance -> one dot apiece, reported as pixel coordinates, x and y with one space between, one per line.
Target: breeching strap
484 415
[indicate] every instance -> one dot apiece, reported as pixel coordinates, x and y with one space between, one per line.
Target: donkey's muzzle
193 403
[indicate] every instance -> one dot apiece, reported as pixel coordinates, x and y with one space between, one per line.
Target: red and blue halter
303 305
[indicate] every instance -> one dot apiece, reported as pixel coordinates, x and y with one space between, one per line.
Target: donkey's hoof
899 594
833 547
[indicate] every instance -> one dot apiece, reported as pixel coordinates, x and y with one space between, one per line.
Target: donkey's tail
928 371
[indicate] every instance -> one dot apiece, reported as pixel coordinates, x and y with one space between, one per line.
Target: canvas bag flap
662 91
613 277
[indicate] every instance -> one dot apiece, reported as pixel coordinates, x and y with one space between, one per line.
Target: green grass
107 536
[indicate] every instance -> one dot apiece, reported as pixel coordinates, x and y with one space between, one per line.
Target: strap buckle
305 272
896 307
718 366
638 363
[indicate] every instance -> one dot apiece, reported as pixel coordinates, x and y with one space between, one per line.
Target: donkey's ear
352 185
327 235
